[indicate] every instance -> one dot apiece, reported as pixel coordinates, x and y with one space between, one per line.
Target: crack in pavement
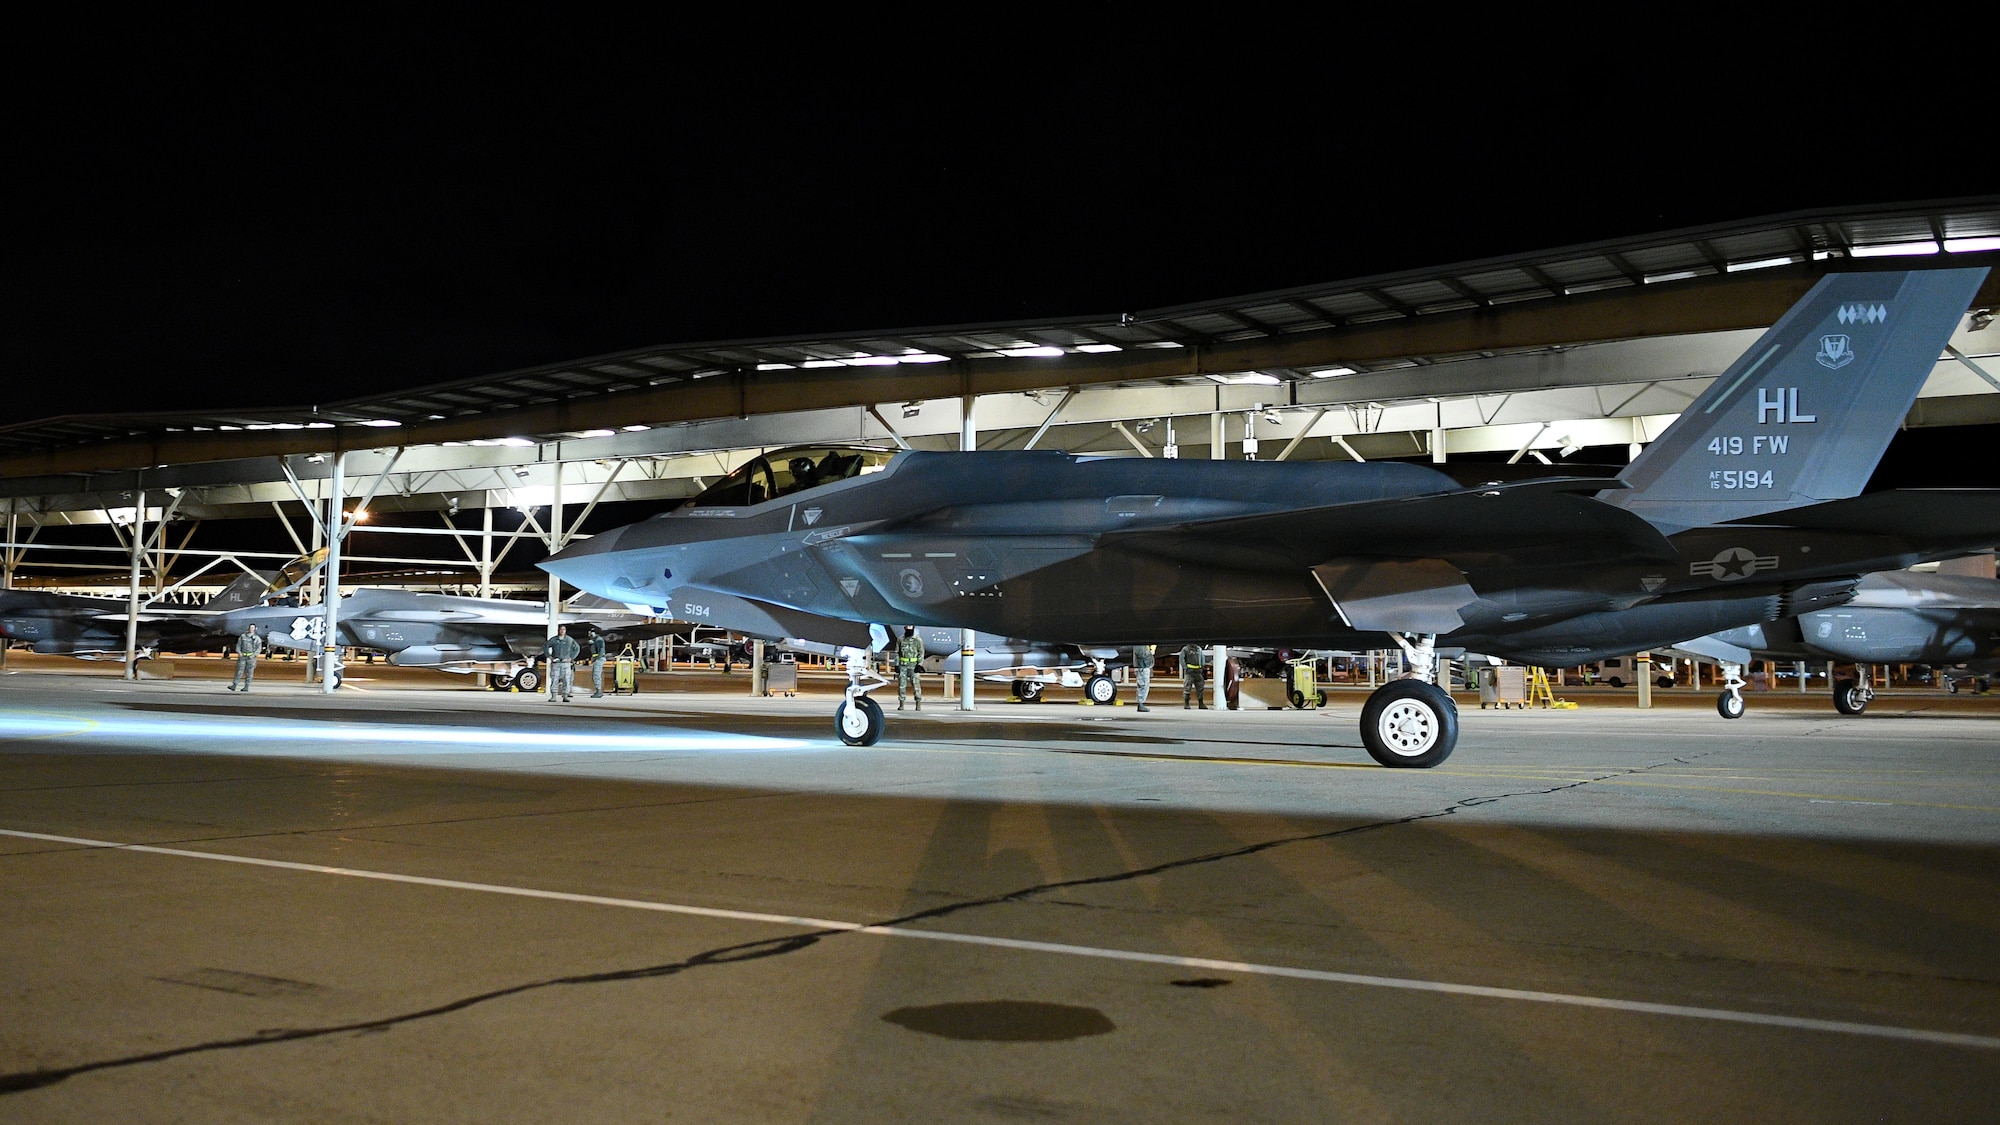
21 1081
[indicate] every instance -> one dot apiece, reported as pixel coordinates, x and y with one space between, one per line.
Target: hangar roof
1651 285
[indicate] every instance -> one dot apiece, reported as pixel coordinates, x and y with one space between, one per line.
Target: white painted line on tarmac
1605 1003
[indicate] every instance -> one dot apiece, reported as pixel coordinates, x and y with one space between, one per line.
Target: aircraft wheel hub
1409 728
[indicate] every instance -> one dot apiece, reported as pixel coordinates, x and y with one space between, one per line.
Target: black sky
194 219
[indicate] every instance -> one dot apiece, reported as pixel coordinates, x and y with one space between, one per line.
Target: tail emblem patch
1835 352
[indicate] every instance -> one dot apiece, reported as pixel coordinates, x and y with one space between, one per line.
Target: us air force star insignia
850 586
913 583
1734 563
812 515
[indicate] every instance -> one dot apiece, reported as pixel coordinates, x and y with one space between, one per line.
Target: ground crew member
1142 663
1191 677
562 664
248 646
597 665
909 659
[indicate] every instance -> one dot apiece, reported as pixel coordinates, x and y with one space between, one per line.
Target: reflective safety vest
910 650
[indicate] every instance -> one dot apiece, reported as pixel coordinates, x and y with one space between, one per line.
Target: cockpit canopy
786 471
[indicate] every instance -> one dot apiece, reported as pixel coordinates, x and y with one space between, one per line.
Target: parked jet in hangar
93 628
1746 508
1904 617
441 632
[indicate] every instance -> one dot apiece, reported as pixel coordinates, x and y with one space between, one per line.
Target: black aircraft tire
1100 690
1847 698
1020 689
1729 706
1409 724
1031 691
527 679
859 721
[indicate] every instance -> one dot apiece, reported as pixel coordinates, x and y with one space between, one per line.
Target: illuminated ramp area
412 904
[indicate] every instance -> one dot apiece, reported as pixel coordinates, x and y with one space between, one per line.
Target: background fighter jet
74 625
448 634
1903 617
1749 502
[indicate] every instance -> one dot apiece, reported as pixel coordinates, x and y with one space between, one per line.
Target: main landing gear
1411 723
858 720
1099 688
1851 697
1730 703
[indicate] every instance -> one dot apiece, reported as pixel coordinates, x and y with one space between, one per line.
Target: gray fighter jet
1748 504
1903 617
94 628
444 633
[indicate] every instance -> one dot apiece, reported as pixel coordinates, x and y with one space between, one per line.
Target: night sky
195 220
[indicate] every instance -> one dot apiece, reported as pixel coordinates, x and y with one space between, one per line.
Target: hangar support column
132 607
1218 657
968 440
556 538
329 645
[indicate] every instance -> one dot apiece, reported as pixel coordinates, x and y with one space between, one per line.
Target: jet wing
1521 521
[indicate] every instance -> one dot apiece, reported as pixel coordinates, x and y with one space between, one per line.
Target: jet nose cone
588 564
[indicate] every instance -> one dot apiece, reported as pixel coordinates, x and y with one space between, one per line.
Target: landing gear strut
858 720
1851 697
1099 688
1730 703
1411 723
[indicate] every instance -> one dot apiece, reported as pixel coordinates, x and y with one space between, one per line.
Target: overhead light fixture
912 409
1893 249
522 472
1980 319
1273 417
596 433
1569 445
1331 372
1759 264
1099 348
381 423
1248 378
1970 245
315 458
1029 352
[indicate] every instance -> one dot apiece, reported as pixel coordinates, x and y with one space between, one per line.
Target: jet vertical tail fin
248 590
1806 413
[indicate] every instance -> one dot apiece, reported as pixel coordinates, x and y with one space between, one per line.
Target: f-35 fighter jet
1904 617
1747 508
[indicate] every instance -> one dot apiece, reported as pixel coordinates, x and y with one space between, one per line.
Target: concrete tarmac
415 902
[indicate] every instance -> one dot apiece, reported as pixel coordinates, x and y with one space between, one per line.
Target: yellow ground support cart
625 673
1306 691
